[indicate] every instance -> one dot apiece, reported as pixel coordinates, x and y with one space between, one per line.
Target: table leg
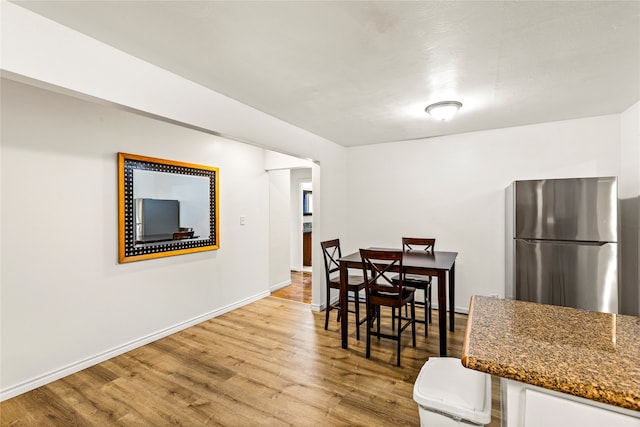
344 313
452 280
442 311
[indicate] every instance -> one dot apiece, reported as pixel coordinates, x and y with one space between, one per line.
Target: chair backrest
418 243
381 271
331 253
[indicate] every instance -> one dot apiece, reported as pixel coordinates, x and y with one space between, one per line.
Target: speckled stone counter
591 355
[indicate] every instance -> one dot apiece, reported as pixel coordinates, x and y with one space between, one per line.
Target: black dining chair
332 253
420 281
379 267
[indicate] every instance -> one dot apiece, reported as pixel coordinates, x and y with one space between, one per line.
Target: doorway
301 234
291 233
300 288
306 220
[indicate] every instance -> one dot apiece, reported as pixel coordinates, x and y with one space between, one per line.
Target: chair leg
427 312
357 304
327 310
393 318
430 300
371 317
369 326
413 322
378 320
399 334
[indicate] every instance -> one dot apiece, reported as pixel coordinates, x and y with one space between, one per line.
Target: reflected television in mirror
165 207
156 220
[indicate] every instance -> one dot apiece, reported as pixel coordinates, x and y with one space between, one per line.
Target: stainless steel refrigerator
562 242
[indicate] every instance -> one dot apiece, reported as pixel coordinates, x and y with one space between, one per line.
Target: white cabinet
524 405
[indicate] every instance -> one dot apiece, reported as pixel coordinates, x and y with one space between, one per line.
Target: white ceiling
363 72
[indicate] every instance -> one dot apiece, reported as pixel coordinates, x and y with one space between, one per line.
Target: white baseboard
49 377
280 285
317 307
462 310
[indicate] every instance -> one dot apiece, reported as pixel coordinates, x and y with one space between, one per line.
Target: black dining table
438 264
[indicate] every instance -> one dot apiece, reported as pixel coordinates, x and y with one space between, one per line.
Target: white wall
629 193
65 299
453 188
274 160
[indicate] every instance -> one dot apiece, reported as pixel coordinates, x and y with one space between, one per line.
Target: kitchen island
547 355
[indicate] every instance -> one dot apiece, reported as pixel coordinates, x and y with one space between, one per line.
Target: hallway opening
299 289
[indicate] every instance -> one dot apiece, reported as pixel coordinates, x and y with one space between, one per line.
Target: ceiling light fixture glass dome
443 110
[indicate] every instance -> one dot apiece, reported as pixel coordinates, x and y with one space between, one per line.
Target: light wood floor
268 363
299 289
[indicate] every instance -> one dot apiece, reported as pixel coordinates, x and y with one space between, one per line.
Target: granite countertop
587 354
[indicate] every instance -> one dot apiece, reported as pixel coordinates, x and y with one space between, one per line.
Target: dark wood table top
439 260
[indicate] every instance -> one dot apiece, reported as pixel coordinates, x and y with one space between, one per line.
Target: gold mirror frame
131 250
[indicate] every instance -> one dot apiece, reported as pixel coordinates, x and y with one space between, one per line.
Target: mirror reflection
166 207
170 206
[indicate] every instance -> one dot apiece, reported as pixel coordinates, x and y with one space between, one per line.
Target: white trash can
448 394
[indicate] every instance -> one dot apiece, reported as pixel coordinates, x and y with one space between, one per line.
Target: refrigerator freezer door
583 209
575 275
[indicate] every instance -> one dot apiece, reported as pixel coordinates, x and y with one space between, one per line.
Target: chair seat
352 282
407 292
355 284
391 299
416 280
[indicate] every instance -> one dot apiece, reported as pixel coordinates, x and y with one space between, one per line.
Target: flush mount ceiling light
443 110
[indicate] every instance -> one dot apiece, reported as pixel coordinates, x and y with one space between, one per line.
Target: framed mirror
307 202
165 208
